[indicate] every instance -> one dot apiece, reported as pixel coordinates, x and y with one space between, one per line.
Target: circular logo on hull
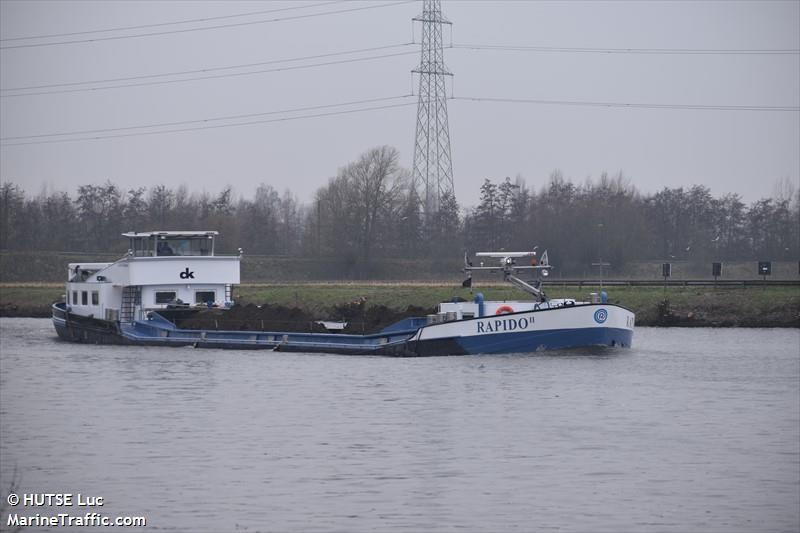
600 316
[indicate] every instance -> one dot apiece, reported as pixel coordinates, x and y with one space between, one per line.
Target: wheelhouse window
95 298
165 297
74 297
184 246
204 297
84 298
193 243
142 246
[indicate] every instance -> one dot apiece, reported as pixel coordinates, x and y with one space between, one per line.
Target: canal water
690 430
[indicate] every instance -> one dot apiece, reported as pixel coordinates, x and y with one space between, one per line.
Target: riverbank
48 267
677 306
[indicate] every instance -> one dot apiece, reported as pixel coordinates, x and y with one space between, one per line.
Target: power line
219 26
387 98
187 122
37 139
209 77
161 24
630 105
666 51
207 69
683 51
282 119
36 88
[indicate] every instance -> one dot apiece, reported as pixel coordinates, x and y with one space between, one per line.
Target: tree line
371 210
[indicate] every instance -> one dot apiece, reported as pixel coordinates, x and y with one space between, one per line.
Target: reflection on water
691 430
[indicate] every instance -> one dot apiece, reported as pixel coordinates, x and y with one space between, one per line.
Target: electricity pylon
433 168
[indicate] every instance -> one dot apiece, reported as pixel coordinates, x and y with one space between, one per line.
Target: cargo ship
167 276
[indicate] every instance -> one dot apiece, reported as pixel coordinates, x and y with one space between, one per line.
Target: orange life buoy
504 309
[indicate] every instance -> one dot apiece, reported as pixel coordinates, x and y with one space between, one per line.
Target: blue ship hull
408 338
526 342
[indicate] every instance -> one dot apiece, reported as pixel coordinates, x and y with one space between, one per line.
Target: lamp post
319 228
600 262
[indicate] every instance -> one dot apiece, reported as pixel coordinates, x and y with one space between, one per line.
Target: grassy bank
692 306
46 266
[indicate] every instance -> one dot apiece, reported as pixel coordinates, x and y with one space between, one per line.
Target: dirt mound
360 318
372 319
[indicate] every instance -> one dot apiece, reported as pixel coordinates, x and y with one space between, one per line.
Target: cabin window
183 247
165 297
84 298
142 247
200 247
202 297
74 297
95 298
166 248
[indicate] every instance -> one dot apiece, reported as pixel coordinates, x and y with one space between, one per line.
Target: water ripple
691 430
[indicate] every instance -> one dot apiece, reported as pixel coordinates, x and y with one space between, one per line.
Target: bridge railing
677 282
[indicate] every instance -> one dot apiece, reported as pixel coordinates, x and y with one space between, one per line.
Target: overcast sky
728 150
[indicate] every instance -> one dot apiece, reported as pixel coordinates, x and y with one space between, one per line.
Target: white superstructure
161 269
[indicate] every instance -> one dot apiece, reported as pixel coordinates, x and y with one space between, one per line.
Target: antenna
433 168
